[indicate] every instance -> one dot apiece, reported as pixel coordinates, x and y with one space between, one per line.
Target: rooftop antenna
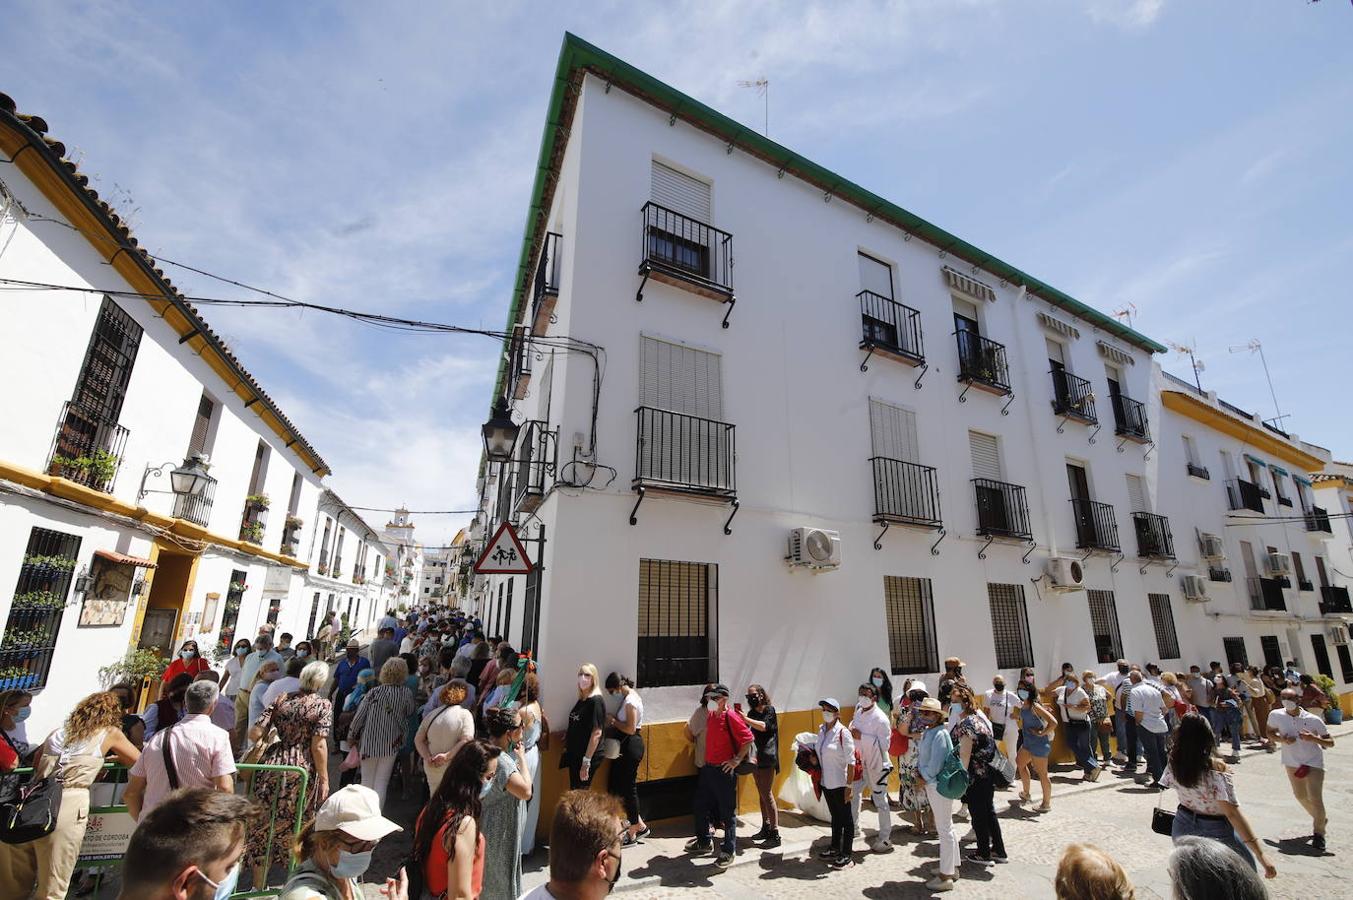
1252 346
1189 351
762 86
1126 313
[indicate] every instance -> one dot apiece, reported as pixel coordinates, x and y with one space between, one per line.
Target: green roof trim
577 56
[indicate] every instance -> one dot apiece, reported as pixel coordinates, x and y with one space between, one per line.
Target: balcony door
876 277
893 437
993 512
675 233
685 438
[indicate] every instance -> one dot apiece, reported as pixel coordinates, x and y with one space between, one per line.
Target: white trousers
1007 743
877 782
943 808
376 772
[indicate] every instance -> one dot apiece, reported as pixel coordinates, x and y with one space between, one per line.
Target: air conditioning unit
1195 588
1066 573
815 548
1338 635
1212 546
1278 564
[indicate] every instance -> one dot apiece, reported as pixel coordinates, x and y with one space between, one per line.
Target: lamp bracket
158 472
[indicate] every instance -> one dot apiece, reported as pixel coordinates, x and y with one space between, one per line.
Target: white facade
348 569
406 555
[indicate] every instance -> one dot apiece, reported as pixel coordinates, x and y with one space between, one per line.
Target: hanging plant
238 587
257 501
57 563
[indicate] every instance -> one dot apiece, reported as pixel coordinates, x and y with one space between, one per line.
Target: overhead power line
417 512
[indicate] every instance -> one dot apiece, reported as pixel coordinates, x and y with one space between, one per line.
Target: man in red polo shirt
728 740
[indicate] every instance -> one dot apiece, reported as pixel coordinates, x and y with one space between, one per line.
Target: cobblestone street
1114 814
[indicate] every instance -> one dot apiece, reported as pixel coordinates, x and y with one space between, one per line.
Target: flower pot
1334 716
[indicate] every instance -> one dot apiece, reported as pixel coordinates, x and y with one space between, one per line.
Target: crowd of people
454 718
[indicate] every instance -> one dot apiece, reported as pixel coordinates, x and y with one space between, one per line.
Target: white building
437 575
406 557
110 386
349 569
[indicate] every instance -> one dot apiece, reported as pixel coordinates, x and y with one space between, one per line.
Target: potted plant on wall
257 501
1334 715
252 532
139 667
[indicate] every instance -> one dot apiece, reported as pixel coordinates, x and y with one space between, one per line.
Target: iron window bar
905 493
1073 397
545 292
1317 519
1198 471
1129 417
982 362
87 448
1242 494
537 459
196 509
520 353
890 328
1305 584
1266 594
34 621
1218 573
1096 525
1002 509
686 252
1334 600
684 454
1154 540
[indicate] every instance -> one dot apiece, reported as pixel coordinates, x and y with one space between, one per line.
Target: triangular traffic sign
504 555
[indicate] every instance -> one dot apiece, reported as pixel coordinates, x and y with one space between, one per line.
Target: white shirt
633 706
1067 697
406 645
1147 700
540 892
1302 753
836 753
232 669
279 687
875 733
998 705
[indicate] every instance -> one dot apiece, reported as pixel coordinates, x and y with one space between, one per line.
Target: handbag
748 764
1162 820
1002 770
898 744
610 748
352 760
952 781
29 810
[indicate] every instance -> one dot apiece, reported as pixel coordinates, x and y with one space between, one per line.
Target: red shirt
178 667
721 730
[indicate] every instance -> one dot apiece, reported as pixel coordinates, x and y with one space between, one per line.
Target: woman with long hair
75 753
189 660
532 727
447 841
444 731
169 708
1036 725
765 725
504 807
268 671
585 722
1207 797
977 749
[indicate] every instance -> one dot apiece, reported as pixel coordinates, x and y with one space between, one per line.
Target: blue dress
1039 745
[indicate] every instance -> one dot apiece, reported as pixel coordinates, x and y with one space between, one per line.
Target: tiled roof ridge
57 152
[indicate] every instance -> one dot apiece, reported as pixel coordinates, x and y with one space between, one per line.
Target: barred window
29 638
1235 651
1345 662
1273 651
1104 625
909 609
1162 617
1010 626
678 623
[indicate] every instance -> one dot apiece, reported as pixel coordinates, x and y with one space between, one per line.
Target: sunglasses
352 845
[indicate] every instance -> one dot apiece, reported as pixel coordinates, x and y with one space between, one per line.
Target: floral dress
983 744
298 718
912 797
500 824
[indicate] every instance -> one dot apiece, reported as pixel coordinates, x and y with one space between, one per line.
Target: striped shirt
382 720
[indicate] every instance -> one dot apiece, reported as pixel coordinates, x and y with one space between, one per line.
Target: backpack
953 778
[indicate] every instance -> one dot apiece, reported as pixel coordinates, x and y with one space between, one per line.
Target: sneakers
1318 842
829 853
999 858
1093 774
724 859
762 834
939 883
961 813
699 846
772 840
643 832
842 862
879 846
978 860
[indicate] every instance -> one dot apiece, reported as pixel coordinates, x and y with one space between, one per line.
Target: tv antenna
762 87
1189 351
1126 313
1252 346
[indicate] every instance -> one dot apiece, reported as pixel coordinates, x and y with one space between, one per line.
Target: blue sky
1190 159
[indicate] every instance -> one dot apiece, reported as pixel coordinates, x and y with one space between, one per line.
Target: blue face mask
1023 695
226 886
350 865
23 714
484 789
955 710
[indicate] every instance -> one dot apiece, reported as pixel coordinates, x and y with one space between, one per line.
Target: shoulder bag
28 811
952 782
1162 820
748 765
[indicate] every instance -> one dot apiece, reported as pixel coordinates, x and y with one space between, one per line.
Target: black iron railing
537 455
196 509
1266 593
1242 494
519 359
890 326
1073 396
684 452
1002 509
1334 600
659 667
905 492
687 248
1154 540
1129 417
1096 525
1198 471
982 361
1305 584
547 269
1317 519
1218 573
35 614
86 448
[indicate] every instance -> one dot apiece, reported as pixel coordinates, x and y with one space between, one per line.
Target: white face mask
865 703
1290 705
828 717
584 682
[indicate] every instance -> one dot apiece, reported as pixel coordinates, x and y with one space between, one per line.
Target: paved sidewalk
1113 813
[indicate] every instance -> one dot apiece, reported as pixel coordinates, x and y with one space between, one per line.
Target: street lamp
187 480
500 434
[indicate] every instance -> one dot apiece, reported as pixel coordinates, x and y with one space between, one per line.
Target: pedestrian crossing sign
504 555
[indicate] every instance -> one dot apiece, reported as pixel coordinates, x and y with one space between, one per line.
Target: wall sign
504 555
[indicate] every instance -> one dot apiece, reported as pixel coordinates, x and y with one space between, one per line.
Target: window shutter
198 442
680 193
681 379
876 276
1136 494
1247 558
986 457
893 431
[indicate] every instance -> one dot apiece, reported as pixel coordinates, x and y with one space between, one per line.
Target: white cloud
1130 15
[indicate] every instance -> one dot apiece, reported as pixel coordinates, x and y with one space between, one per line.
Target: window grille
234 596
1235 651
1322 656
1273 651
1162 617
678 610
909 609
1010 626
1345 662
1104 625
29 639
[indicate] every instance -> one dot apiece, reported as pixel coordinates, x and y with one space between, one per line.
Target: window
965 317
102 385
680 192
681 243
1235 651
1191 451
314 613
1136 494
259 475
1104 625
1279 492
892 432
1345 662
1162 619
234 597
683 438
880 322
324 548
531 617
506 622
35 615
294 502
876 276
1273 651
1298 568
1010 626
680 379
986 456
909 612
678 616
1322 655
200 440
1321 573
274 610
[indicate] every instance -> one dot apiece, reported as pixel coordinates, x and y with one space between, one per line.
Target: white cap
356 811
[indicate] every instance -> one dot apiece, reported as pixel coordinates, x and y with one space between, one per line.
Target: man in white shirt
1113 681
1304 739
872 733
1075 704
998 703
286 684
1148 710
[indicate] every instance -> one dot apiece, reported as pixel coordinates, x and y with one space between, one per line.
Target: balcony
537 456
520 355
1198 471
1096 525
981 363
255 520
1317 519
1242 494
686 253
905 493
1218 573
1153 536
1073 397
1266 594
1129 418
1002 509
685 454
196 509
1334 600
86 449
1284 501
545 292
1305 584
890 329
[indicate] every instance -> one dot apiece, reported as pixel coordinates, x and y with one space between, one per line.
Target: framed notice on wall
106 601
209 613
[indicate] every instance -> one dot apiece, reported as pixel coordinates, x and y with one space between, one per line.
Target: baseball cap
354 643
718 690
830 701
356 811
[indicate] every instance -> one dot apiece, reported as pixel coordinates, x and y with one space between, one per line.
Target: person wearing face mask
284 648
267 673
871 731
585 723
585 848
448 845
1036 725
728 740
335 849
1116 683
167 710
836 754
953 674
1304 740
625 768
1101 723
977 748
765 725
189 660
189 847
15 707
999 704
1075 704
223 713
933 748
907 721
262 652
345 673
504 807
304 652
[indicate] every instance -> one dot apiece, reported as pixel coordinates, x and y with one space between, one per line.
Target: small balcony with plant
1198 471
982 363
28 641
254 522
1154 540
545 289
291 529
86 449
685 253
1218 573
1129 418
1317 520
889 329
1073 397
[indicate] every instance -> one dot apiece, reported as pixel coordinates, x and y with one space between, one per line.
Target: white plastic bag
797 790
